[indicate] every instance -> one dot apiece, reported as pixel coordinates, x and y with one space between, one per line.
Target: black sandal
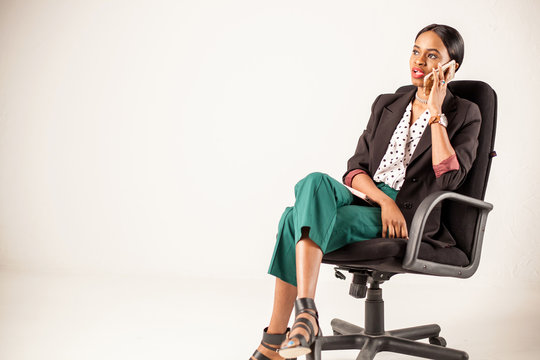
303 305
267 340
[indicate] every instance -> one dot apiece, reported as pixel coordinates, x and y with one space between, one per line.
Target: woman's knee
316 176
312 178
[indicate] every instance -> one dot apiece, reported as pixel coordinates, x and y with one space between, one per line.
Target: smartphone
449 70
362 196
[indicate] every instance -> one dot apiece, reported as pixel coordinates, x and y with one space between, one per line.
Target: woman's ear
457 66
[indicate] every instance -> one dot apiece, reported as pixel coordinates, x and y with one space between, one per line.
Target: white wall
166 136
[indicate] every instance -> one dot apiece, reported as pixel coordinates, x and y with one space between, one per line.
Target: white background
164 138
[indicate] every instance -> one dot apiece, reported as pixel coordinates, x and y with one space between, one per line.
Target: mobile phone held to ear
449 70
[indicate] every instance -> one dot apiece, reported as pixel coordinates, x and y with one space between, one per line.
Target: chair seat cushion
387 255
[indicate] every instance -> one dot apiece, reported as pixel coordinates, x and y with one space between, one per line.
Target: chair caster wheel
437 340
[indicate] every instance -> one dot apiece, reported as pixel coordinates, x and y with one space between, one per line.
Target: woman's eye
432 56
415 52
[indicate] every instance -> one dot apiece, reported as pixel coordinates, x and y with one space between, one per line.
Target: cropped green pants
325 206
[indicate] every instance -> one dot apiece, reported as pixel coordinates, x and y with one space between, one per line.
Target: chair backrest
459 219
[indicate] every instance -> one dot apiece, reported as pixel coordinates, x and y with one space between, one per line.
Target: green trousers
325 206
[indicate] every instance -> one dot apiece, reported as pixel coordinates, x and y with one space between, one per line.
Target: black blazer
463 128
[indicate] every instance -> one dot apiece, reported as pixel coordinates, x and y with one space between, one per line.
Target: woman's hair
451 38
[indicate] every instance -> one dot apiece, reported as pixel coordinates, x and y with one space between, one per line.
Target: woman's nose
420 61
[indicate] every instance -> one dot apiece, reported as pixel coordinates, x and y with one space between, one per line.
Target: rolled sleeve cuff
349 178
448 164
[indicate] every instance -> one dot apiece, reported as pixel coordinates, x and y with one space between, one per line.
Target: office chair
375 261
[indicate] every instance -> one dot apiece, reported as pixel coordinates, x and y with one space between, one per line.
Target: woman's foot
269 346
304 331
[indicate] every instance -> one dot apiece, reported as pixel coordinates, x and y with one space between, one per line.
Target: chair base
374 339
348 336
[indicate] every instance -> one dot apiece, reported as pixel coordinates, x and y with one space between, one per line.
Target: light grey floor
151 317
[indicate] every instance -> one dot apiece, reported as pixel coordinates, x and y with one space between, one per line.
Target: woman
414 144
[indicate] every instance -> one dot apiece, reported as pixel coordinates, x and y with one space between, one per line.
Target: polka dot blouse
398 155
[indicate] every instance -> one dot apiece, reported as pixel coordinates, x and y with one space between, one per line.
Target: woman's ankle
276 329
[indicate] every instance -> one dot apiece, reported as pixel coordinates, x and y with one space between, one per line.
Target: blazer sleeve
465 144
360 159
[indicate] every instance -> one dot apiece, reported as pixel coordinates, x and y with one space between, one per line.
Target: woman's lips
417 73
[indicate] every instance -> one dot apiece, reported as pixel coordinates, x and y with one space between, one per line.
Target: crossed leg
308 261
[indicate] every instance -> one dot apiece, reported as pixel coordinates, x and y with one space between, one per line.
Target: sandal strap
305 304
274 339
269 347
260 356
306 324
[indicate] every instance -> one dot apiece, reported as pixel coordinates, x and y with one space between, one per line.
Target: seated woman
414 144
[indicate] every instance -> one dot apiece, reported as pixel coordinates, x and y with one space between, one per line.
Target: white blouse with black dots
398 155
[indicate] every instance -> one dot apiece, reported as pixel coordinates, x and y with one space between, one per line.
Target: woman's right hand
393 222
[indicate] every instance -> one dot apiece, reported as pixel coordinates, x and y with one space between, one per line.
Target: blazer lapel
449 109
390 118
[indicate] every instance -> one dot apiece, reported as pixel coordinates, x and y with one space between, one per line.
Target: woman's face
427 53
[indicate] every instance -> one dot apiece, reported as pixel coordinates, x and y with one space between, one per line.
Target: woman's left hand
438 91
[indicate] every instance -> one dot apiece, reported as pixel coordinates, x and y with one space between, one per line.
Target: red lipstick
417 73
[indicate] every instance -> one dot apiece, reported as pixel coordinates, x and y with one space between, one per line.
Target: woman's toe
290 343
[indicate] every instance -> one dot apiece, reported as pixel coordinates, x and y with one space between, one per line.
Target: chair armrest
411 260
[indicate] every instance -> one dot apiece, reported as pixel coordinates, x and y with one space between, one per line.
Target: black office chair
374 261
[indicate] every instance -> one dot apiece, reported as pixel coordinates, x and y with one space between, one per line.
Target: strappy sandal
267 340
290 350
